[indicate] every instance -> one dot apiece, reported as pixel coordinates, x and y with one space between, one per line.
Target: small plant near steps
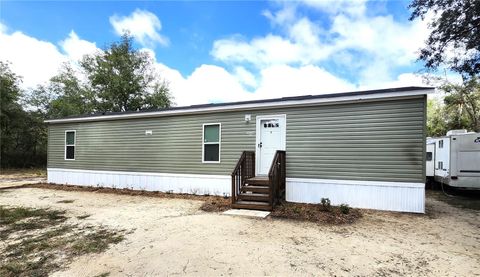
317 213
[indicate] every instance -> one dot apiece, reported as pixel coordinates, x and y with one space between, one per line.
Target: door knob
260 145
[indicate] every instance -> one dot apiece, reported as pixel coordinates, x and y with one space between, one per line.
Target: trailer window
70 138
440 165
211 143
429 156
440 143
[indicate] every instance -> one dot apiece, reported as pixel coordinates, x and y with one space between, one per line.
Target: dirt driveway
173 237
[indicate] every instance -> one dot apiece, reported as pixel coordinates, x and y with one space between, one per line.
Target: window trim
219 143
74 145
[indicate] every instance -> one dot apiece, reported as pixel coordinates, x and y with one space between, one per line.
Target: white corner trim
251 106
357 183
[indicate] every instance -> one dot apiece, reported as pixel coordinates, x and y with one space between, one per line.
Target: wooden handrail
244 169
277 177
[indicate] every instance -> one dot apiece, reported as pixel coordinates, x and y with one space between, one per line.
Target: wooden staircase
257 192
254 195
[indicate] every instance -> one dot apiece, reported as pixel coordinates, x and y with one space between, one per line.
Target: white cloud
402 80
76 48
3 28
270 66
33 59
210 83
369 47
37 60
260 52
206 84
351 7
284 80
143 25
245 77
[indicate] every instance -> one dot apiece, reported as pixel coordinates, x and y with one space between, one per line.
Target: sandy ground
173 237
14 178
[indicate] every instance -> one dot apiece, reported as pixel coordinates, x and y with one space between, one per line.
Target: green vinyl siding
378 140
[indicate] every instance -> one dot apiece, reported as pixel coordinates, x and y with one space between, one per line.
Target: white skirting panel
390 196
165 182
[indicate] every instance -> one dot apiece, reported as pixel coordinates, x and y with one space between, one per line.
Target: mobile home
457 159
364 148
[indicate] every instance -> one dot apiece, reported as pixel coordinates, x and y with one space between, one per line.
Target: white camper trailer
457 159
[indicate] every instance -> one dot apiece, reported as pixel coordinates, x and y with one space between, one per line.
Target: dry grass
316 213
40 241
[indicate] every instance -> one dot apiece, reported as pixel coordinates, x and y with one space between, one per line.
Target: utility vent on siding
148 132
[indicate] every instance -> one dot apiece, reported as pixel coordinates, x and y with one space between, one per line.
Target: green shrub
326 205
344 208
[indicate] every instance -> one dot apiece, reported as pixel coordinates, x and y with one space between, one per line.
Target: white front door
271 131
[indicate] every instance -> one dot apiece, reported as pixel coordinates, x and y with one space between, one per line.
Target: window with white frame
211 143
440 143
70 137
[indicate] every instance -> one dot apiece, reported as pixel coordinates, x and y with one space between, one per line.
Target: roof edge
258 104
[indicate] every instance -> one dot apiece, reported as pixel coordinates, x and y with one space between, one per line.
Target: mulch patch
216 204
316 213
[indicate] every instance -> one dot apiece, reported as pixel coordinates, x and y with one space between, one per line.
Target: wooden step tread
258 178
254 197
256 186
258 189
258 181
255 194
251 205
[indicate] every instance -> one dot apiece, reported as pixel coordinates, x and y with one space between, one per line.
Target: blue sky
226 50
191 26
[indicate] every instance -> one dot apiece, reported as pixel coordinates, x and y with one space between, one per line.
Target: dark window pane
211 153
70 138
70 152
212 133
429 156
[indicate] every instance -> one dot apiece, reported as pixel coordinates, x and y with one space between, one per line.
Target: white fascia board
250 106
